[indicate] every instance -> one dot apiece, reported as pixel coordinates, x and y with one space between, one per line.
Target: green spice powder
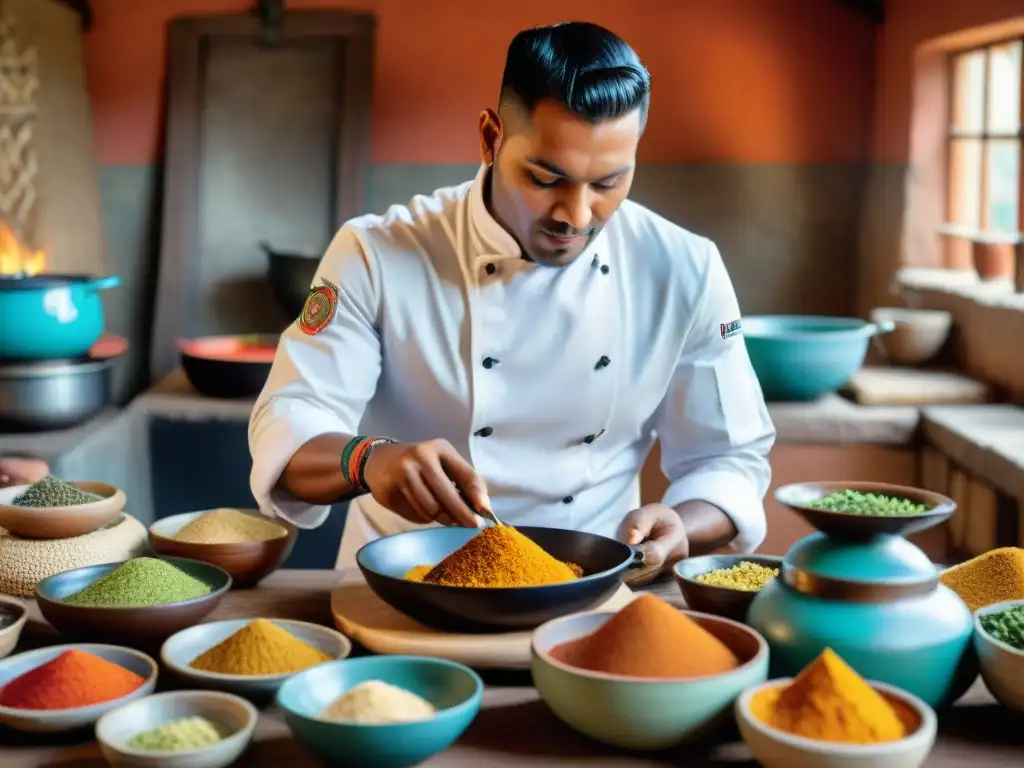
142 581
53 492
177 736
872 504
1007 626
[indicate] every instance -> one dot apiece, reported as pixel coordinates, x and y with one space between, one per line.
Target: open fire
16 258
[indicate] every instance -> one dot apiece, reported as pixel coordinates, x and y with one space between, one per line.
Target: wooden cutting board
369 621
909 386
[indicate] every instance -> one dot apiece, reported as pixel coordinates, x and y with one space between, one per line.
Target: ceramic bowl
248 562
720 601
9 635
773 748
1002 665
859 527
454 690
145 625
53 720
643 713
918 334
235 717
183 648
61 522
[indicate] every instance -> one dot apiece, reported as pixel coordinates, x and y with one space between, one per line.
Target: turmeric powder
499 556
829 701
991 577
260 648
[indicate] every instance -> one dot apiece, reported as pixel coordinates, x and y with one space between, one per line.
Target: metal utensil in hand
487 514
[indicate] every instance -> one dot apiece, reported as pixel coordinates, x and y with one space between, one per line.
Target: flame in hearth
15 257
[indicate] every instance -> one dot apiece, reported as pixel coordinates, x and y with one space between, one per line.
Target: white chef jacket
553 382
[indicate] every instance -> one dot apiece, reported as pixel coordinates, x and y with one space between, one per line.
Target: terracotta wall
736 80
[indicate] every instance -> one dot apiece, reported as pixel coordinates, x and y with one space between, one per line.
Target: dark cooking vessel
503 609
291 276
228 366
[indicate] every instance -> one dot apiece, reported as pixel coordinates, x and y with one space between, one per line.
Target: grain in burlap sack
26 562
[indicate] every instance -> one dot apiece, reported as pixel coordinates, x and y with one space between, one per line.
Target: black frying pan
503 609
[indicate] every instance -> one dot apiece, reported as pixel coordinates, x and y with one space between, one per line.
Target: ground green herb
142 581
873 504
53 492
1007 626
177 736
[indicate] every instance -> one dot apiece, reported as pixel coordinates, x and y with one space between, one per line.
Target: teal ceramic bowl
802 357
642 713
455 691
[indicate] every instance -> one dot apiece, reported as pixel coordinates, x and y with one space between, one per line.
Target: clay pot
993 260
956 252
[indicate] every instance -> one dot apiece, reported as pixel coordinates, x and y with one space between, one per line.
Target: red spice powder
649 638
73 679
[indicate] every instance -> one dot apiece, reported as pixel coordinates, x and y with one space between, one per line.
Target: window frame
985 137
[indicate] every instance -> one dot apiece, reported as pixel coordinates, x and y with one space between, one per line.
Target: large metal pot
291 276
51 317
41 396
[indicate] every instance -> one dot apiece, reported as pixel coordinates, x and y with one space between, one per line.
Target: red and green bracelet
354 457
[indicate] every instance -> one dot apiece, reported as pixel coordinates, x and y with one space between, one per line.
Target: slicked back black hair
586 68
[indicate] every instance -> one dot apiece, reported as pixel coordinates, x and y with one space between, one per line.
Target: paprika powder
649 638
71 680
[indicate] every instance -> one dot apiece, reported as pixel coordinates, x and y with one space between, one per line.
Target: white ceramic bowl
773 748
918 334
643 713
1002 665
53 720
234 715
9 635
181 649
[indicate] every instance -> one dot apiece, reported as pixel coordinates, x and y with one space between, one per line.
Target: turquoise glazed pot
802 357
879 605
644 713
454 690
51 317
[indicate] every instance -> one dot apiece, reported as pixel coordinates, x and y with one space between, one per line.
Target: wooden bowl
709 598
61 522
144 626
857 527
247 563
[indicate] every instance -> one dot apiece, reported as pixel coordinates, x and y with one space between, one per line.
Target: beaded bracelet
354 457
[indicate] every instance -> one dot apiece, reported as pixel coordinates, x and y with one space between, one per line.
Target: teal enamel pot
876 603
51 317
802 357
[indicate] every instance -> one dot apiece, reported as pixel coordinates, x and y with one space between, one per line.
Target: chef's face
556 179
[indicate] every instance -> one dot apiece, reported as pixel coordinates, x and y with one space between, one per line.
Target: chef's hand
660 532
417 481
22 471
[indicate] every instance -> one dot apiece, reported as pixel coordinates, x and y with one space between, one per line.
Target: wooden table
513 727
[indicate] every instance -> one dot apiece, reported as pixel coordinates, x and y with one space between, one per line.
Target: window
985 136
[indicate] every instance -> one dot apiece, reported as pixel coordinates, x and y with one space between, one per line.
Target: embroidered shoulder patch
731 329
319 308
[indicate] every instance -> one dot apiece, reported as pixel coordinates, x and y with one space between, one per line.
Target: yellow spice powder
991 577
229 526
260 648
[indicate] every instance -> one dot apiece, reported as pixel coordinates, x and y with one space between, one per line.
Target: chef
523 338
